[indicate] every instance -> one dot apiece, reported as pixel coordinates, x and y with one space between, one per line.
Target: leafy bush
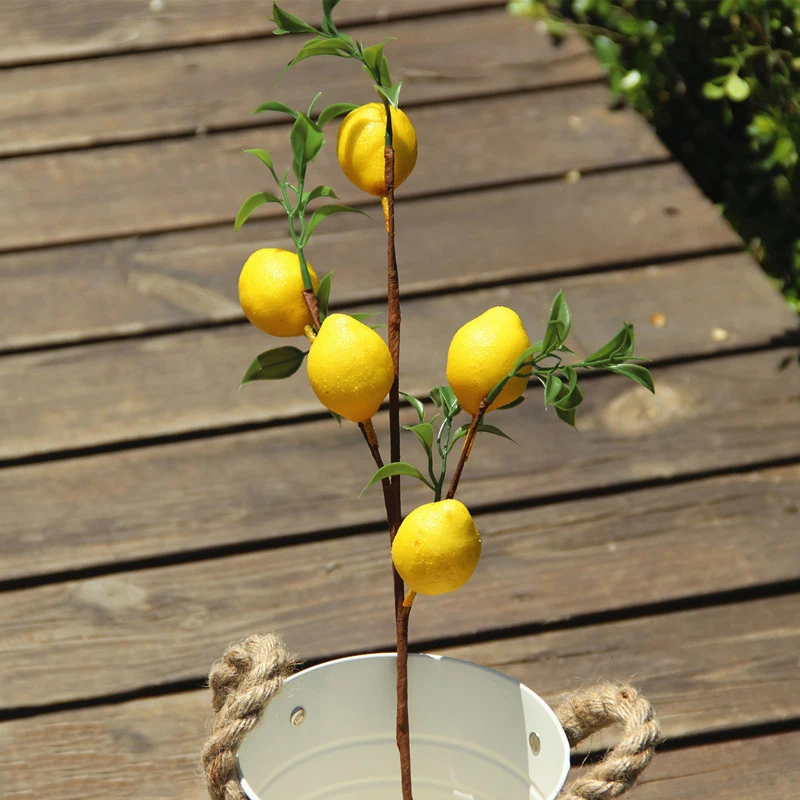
720 82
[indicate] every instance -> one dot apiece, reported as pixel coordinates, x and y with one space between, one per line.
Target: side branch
467 448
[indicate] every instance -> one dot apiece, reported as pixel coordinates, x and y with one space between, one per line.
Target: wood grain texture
151 283
216 87
184 383
150 627
166 185
707 670
211 493
52 30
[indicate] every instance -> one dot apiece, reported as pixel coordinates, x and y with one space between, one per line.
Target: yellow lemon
437 547
271 292
481 353
360 146
350 368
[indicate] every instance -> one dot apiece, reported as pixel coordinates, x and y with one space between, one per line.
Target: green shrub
720 82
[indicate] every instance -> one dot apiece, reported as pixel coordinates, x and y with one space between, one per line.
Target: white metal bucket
476 734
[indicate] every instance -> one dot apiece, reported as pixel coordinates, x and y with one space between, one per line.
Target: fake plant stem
467 448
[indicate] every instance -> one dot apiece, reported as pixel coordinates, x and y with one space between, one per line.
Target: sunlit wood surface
152 512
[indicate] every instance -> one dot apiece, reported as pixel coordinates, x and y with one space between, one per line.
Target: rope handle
251 673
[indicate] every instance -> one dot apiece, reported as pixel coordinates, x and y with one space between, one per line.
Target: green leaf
318 191
274 105
423 432
391 93
323 294
533 350
306 140
711 91
337 417
274 364
415 404
334 110
619 348
326 211
289 23
637 373
552 389
558 325
360 316
569 397
327 10
445 398
263 156
462 430
251 204
513 403
322 47
566 415
737 88
313 103
396 468
372 59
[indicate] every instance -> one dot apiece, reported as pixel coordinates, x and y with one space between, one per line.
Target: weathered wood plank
170 280
153 626
51 30
216 87
210 493
708 670
129 389
125 190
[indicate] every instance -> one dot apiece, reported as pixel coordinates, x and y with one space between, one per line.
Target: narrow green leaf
462 431
306 140
274 364
448 401
415 404
423 432
327 8
360 316
396 468
251 204
383 70
274 105
558 325
552 388
566 415
325 211
337 417
334 110
525 355
323 294
323 47
513 403
391 93
288 22
569 398
619 348
318 191
263 156
373 60
313 103
637 373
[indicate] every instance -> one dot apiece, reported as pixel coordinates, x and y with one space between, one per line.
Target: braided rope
590 710
242 683
251 672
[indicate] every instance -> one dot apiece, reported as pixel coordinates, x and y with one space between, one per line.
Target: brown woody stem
467 448
313 308
401 613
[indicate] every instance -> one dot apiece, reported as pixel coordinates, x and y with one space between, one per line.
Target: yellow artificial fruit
271 292
350 368
481 353
437 547
360 147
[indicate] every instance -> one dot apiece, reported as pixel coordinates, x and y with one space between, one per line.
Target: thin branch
467 448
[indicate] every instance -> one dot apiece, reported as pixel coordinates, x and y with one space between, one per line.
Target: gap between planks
165 283
154 626
101 28
692 666
159 387
215 88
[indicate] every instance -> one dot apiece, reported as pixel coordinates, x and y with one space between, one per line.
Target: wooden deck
152 513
